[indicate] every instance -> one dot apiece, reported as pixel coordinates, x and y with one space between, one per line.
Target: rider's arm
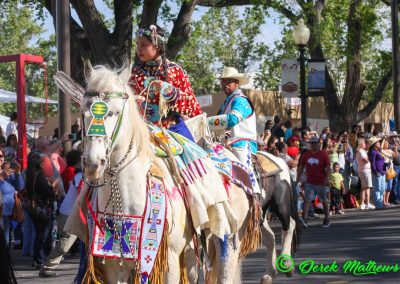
186 102
241 109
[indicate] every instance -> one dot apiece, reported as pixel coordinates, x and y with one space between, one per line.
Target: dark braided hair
162 46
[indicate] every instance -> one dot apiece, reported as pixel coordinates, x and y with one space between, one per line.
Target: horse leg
223 270
191 264
284 212
269 241
287 237
173 273
288 226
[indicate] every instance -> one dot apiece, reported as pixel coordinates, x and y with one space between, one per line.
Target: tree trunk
181 31
339 122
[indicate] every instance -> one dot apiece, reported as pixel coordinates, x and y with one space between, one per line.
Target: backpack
350 201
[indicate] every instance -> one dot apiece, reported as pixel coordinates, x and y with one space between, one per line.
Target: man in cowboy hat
237 114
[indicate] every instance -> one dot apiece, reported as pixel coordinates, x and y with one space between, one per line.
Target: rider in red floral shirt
156 76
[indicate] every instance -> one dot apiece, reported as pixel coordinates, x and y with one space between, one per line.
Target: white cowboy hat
374 139
233 73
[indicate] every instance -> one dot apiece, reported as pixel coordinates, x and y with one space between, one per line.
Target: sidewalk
26 274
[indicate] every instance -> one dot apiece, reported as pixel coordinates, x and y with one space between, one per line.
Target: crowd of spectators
349 170
35 202
330 172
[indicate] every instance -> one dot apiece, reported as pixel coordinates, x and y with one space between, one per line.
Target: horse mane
104 79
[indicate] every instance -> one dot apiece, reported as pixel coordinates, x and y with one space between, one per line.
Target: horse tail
295 216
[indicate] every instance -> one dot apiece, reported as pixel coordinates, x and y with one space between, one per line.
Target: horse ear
125 74
87 68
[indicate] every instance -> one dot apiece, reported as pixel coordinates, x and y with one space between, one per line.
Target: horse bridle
112 171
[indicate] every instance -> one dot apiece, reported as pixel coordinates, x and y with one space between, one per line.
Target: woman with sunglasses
11 146
154 76
10 181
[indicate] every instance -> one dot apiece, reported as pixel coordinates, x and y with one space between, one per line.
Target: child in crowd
337 186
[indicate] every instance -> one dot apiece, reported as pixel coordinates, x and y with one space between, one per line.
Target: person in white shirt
364 173
12 125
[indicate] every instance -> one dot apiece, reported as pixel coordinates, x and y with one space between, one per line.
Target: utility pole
63 64
396 71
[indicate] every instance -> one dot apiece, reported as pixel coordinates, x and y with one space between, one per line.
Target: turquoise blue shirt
243 106
288 134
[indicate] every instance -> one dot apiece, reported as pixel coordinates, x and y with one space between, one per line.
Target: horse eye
110 113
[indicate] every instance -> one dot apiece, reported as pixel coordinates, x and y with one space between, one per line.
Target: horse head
113 125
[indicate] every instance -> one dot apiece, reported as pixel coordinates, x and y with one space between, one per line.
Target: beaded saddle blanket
234 171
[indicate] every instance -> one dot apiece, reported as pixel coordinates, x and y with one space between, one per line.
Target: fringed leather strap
252 237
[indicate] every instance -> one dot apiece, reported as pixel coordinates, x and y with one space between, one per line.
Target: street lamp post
301 35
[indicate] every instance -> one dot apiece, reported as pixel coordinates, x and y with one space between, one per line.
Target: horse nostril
103 162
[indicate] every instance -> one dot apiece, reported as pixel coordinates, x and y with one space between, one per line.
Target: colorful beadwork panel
118 234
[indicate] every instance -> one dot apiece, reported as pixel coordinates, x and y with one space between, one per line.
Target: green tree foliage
21 33
332 32
222 37
345 33
338 42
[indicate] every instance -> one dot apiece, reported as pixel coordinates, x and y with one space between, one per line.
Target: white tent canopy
31 129
11 97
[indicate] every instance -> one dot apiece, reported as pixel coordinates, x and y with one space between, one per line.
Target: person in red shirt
73 158
317 166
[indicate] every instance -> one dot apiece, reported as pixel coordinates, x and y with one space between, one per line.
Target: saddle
264 166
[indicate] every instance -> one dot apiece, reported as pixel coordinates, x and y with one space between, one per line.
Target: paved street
356 235
364 236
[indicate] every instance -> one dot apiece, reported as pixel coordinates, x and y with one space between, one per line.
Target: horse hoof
266 279
289 274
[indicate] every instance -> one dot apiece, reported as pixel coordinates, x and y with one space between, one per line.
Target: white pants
244 156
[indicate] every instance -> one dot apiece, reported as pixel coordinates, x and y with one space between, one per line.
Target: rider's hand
166 90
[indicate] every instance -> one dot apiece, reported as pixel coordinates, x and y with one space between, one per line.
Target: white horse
128 152
131 146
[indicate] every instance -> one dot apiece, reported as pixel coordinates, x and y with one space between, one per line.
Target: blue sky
270 30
